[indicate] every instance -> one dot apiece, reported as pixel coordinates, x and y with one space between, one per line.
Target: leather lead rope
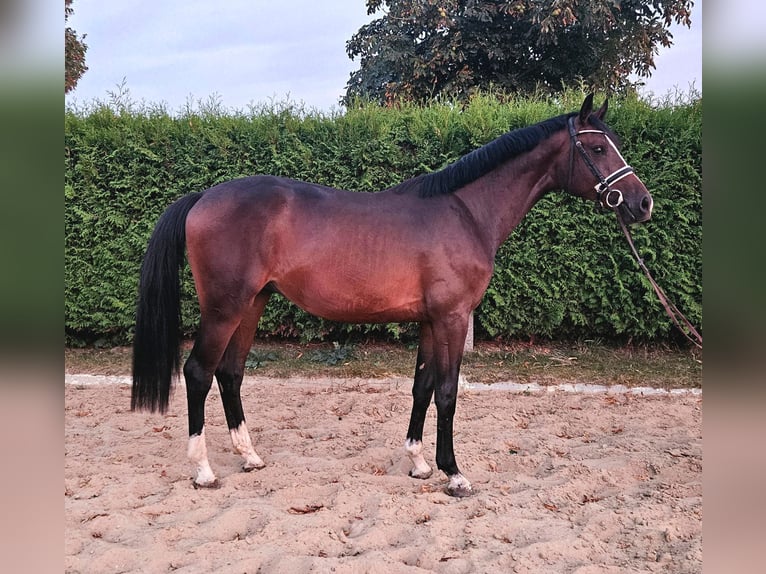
680 321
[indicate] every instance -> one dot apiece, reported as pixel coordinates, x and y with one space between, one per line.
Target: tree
424 48
74 52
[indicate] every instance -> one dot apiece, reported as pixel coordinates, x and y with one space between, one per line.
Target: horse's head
598 171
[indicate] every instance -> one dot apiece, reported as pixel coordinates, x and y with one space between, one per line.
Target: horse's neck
500 199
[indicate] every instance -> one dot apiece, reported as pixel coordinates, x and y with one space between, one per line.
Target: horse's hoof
459 491
208 485
458 486
421 475
248 467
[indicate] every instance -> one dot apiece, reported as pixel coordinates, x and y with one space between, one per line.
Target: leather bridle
606 195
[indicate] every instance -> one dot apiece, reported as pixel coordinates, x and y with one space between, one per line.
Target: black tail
156 344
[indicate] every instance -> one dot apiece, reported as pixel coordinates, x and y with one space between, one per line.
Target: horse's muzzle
637 210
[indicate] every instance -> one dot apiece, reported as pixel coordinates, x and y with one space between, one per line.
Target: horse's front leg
448 354
422 391
446 400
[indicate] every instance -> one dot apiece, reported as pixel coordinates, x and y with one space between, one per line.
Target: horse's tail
156 343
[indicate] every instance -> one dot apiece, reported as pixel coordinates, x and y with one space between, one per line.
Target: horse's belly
347 295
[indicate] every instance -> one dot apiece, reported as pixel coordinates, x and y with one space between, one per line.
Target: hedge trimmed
565 272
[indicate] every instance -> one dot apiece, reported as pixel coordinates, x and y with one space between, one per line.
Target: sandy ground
566 482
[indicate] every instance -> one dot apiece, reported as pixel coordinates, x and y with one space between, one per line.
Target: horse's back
248 200
346 256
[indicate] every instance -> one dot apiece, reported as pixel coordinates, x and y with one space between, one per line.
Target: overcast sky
252 51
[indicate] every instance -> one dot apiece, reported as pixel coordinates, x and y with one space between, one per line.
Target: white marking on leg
240 438
197 453
459 485
420 468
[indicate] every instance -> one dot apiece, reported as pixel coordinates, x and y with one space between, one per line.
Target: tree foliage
74 52
420 49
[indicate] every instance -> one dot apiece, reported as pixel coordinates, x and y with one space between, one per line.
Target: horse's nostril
646 203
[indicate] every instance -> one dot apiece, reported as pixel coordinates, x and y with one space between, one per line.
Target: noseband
606 196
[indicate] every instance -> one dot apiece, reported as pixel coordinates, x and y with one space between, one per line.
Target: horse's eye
599 149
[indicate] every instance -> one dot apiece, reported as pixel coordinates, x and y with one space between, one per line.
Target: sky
243 52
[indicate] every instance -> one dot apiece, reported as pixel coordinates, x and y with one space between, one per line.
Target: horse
421 251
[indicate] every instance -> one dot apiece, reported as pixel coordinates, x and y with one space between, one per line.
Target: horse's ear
586 109
602 110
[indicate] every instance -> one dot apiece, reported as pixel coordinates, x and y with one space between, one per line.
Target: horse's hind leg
230 373
422 391
213 337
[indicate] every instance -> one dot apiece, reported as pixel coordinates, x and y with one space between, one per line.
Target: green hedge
565 271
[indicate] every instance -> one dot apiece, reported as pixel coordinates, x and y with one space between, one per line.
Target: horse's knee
422 391
445 402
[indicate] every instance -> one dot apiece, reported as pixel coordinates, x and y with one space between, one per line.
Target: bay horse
421 251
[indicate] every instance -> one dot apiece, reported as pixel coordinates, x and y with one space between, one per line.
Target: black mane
486 158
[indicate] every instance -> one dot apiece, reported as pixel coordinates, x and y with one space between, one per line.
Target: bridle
606 195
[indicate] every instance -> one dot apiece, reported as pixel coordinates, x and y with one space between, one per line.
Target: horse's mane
481 161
